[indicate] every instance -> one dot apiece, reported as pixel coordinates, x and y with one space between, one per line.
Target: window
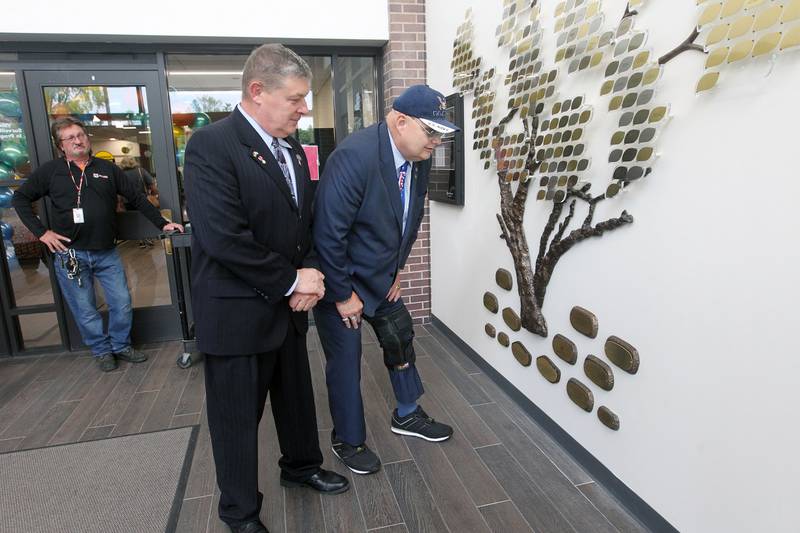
206 88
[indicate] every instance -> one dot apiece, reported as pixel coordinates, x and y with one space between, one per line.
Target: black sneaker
106 362
419 424
359 459
130 355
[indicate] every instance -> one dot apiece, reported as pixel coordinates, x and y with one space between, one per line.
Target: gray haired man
253 280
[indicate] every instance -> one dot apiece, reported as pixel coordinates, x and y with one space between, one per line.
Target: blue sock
405 409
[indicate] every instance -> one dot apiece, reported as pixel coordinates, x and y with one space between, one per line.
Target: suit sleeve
339 196
219 225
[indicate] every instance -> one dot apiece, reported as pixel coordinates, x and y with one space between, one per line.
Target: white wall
363 22
704 282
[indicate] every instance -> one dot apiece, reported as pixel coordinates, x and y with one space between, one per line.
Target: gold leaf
791 38
716 57
710 14
791 11
741 50
767 18
741 26
731 7
766 44
708 81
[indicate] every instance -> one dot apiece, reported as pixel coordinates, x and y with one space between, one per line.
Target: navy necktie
284 167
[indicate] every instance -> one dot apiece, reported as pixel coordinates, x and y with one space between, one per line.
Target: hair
271 64
127 163
61 124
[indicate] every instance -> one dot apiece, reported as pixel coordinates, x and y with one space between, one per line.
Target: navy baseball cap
426 104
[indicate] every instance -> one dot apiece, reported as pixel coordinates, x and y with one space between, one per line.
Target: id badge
77 215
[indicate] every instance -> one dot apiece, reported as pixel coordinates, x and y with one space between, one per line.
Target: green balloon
200 120
9 105
13 154
6 172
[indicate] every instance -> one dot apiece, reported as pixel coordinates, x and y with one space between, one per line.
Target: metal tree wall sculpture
541 139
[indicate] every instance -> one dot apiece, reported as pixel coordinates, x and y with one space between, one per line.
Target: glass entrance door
123 115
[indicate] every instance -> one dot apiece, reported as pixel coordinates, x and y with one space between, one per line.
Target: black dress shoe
250 527
323 481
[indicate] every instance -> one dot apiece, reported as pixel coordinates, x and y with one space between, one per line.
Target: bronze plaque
503 339
565 349
512 319
548 369
521 353
584 321
580 394
490 330
608 418
622 354
504 279
599 372
490 302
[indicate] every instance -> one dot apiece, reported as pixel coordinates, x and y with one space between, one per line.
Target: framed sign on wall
447 171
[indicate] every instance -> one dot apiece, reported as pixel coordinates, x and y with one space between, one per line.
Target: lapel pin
258 157
299 159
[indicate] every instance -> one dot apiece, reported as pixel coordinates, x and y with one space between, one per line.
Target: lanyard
79 185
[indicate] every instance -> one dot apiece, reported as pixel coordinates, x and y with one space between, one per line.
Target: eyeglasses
431 133
73 138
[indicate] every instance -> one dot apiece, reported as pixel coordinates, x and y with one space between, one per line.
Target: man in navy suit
368 210
254 277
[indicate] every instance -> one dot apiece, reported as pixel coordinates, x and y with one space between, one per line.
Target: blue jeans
106 266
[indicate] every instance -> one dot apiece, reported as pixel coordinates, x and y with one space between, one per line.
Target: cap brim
440 126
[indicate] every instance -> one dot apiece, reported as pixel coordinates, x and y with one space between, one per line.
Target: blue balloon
13 154
11 256
7 230
6 172
6 195
9 105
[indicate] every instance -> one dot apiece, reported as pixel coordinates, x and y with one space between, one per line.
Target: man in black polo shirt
83 191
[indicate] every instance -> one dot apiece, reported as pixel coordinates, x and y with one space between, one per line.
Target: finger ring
397 286
345 319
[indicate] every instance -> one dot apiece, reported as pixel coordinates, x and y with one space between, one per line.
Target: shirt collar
398 157
264 135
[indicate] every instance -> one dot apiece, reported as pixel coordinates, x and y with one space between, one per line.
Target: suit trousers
236 392
342 347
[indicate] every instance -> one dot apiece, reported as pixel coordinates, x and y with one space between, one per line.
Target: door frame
150 324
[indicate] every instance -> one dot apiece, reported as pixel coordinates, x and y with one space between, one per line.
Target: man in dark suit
368 210
253 280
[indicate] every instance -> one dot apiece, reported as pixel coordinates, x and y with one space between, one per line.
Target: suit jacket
248 237
358 218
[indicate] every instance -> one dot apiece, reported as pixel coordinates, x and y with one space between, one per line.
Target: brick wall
403 66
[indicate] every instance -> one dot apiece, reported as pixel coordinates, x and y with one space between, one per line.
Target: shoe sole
421 436
354 470
298 485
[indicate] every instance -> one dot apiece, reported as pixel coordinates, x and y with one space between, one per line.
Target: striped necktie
284 167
